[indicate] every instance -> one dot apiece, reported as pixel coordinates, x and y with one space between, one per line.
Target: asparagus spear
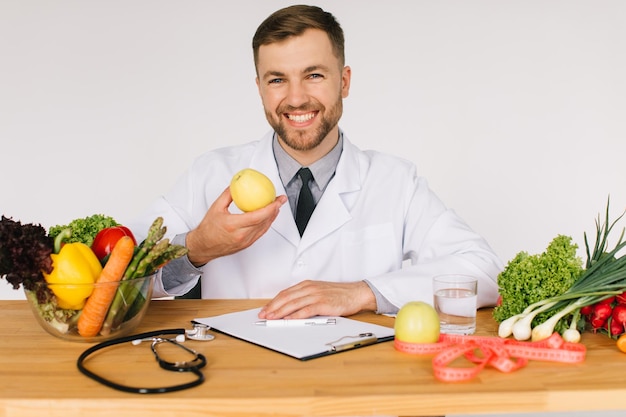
154 252
155 234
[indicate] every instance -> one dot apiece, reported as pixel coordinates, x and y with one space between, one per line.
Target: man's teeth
300 118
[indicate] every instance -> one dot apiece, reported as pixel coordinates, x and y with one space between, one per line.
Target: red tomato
106 239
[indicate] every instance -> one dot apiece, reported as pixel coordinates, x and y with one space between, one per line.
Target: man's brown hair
293 21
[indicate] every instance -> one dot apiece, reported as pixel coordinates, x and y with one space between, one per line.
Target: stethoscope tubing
141 390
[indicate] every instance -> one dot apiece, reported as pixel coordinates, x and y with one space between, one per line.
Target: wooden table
38 376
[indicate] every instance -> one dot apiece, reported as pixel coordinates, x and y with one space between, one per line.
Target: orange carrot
92 317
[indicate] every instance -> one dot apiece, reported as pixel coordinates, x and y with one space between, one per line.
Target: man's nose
297 94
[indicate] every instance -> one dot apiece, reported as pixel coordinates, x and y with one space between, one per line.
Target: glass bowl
130 302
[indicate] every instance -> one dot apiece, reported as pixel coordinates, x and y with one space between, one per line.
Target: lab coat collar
333 209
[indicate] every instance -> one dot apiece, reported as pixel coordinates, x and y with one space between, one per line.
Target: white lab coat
377 220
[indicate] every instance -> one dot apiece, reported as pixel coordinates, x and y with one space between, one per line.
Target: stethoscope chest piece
199 332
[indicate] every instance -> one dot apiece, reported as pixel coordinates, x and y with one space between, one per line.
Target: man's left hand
320 298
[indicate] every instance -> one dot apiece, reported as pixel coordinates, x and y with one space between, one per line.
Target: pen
369 339
296 322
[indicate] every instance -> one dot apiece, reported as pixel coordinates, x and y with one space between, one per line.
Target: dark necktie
306 204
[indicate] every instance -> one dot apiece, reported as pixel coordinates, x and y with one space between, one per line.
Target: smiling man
377 233
302 82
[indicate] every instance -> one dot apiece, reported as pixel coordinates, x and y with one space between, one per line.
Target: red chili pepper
106 239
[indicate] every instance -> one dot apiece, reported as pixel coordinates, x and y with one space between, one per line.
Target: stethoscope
193 365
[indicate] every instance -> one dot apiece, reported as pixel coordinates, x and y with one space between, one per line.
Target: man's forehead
309 50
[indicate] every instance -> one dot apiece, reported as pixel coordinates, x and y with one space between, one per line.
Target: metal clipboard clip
362 339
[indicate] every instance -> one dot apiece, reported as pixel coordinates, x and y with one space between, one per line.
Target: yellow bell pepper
74 268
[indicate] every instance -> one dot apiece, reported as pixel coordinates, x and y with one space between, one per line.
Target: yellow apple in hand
417 322
251 190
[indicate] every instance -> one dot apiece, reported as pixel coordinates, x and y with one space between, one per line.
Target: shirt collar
323 169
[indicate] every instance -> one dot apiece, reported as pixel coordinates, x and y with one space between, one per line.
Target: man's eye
315 76
275 81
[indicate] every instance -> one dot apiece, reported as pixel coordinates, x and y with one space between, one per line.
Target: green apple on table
417 322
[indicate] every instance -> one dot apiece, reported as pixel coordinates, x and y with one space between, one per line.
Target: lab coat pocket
371 251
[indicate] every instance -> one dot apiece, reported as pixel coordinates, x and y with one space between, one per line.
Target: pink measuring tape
506 355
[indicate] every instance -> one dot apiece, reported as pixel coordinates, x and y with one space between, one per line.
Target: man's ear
346 75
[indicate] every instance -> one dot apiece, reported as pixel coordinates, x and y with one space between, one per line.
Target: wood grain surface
38 376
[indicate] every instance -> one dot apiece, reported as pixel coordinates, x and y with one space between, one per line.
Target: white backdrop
514 110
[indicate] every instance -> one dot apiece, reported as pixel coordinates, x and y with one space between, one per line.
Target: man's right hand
222 233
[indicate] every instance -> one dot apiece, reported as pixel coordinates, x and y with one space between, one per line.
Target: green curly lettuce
85 229
527 279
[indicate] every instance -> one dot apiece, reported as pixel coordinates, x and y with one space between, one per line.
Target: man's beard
305 140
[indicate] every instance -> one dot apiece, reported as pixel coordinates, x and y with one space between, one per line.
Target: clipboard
300 342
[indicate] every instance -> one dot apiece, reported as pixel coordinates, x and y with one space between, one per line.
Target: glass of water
455 300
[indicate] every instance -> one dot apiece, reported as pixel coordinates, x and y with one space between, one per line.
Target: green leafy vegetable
604 276
84 230
49 311
527 279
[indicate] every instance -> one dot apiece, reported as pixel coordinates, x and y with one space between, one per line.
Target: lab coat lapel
333 209
263 160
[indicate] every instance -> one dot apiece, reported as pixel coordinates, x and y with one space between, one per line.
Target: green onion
604 276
